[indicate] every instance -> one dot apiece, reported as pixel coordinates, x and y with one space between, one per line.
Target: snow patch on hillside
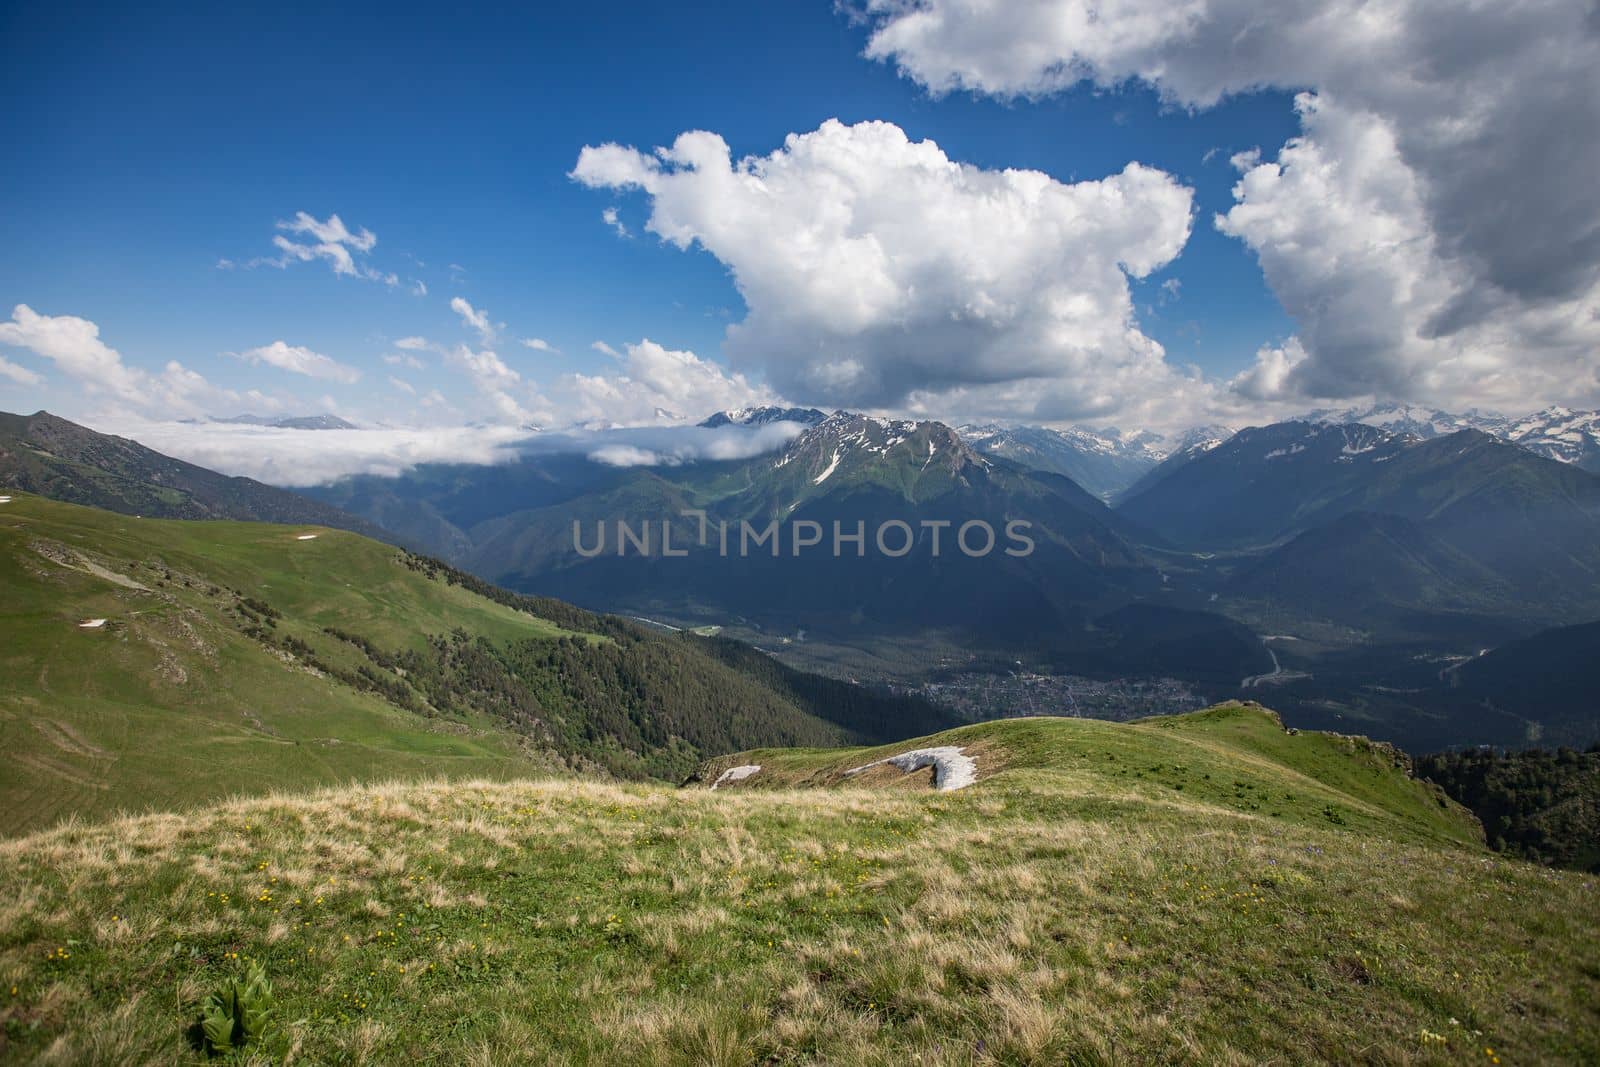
951 769
736 774
819 479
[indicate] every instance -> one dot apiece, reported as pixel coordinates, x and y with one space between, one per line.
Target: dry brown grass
1024 921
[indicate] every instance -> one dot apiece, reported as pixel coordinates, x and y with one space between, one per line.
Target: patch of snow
306 537
736 774
5 500
951 770
819 479
91 624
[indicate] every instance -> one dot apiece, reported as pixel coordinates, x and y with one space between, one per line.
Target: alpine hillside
156 662
43 454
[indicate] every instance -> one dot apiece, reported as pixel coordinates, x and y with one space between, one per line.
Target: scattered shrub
239 1014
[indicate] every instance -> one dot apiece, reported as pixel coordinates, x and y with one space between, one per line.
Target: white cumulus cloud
306 239
878 271
475 318
659 385
297 359
497 383
18 373
1435 229
74 345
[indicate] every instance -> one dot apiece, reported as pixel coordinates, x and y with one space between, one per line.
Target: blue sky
146 147
157 145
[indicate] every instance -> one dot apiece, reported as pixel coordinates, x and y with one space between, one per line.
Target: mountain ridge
43 453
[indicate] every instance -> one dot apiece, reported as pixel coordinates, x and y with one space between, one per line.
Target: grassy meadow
1074 906
170 701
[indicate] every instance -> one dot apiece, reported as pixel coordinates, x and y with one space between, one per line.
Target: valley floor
1039 916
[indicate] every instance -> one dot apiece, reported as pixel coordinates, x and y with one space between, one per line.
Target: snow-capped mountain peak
1558 432
1414 419
848 441
762 416
1562 434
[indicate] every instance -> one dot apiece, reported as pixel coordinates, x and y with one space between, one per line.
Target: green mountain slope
1366 570
1074 906
1373 530
240 657
1269 483
1261 485
1550 679
1235 756
52 457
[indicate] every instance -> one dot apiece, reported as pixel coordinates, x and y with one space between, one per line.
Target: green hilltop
1205 889
1235 756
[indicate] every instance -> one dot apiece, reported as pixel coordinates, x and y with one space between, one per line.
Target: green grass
1234 756
172 703
1062 910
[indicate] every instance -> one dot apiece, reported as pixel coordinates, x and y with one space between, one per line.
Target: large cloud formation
74 346
298 458
880 273
656 385
1435 230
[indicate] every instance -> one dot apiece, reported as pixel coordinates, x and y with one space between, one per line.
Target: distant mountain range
515 524
1414 419
292 422
848 469
1114 465
1105 462
1569 436
1356 523
1379 530
1386 555
1556 433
